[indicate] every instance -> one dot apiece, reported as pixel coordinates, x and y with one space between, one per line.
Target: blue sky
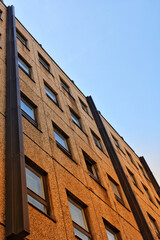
111 49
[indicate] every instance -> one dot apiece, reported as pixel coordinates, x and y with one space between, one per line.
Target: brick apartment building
65 172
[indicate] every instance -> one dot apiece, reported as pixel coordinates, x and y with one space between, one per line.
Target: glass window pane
154 225
21 38
27 109
75 119
44 63
116 142
130 157
110 235
34 182
65 86
97 142
84 107
115 189
80 234
60 139
51 94
24 66
36 203
89 167
133 180
77 216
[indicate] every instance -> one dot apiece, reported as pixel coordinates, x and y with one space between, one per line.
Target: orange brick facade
66 172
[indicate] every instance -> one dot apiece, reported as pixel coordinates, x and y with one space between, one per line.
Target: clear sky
111 49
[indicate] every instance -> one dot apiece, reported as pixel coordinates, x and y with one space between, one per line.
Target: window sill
88 114
121 202
65 151
48 70
120 150
23 44
153 203
48 216
102 151
138 188
55 103
69 93
97 181
26 73
80 128
30 120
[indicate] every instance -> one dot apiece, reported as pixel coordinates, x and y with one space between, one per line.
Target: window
91 166
75 118
0 15
116 190
28 110
21 38
84 107
143 172
24 65
61 139
80 225
154 225
147 192
130 157
112 232
44 62
36 191
132 177
97 140
51 94
65 86
115 141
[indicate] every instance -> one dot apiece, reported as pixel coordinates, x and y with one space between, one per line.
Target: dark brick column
17 221
134 205
150 175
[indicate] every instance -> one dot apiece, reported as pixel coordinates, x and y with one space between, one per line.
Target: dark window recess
79 220
130 157
22 39
143 171
24 65
28 110
36 188
91 166
84 107
148 194
65 86
154 225
97 140
115 141
0 15
132 177
76 119
44 62
51 94
116 190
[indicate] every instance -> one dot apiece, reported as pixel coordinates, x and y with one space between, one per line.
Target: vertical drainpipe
134 205
150 175
17 219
